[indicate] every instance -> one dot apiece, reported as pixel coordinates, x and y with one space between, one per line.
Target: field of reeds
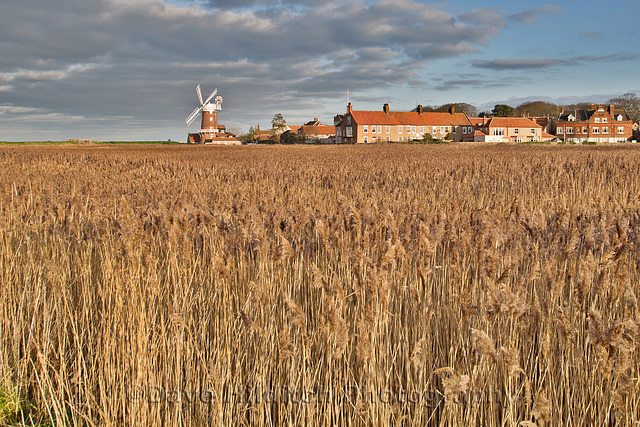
360 285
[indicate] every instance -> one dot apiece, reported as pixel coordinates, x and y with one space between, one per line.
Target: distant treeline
628 101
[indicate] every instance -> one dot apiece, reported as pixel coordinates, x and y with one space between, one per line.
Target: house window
387 139
365 129
379 129
366 139
349 131
585 130
560 130
605 129
387 129
517 131
596 130
604 120
519 139
464 130
597 120
620 130
400 130
400 139
569 130
421 129
498 131
413 129
442 129
533 131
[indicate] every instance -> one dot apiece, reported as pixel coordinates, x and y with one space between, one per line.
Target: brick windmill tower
209 125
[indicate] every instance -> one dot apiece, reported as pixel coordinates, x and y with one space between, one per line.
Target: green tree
537 109
502 110
278 123
630 102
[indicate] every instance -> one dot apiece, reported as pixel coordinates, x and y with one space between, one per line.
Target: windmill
209 110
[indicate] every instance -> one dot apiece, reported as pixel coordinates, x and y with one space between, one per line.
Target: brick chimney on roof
452 109
349 108
593 106
612 109
385 108
420 109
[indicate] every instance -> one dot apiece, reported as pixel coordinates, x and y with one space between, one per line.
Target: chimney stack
349 108
612 109
593 106
452 109
420 109
385 108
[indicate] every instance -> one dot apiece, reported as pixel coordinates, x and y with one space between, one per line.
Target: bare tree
630 102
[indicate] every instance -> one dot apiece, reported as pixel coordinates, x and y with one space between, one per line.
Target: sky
127 69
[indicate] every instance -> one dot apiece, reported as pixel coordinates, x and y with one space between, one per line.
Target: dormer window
571 118
619 118
596 120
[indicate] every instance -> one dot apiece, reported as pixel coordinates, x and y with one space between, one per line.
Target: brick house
507 129
315 131
364 127
598 124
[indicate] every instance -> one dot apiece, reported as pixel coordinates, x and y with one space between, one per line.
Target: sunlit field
320 285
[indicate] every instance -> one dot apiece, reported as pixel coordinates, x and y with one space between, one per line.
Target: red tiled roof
512 122
294 128
318 130
409 118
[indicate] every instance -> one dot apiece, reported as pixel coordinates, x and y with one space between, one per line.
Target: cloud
532 15
533 64
592 35
121 64
518 64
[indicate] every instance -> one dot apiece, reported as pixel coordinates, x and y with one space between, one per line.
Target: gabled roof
317 130
511 122
409 118
314 122
585 115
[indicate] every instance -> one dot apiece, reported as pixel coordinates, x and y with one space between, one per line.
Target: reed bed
356 286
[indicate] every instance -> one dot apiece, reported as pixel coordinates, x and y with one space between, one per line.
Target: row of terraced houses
597 124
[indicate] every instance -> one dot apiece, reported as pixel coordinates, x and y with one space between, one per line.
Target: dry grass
381 285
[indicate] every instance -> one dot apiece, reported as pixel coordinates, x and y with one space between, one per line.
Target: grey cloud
116 64
518 64
532 15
